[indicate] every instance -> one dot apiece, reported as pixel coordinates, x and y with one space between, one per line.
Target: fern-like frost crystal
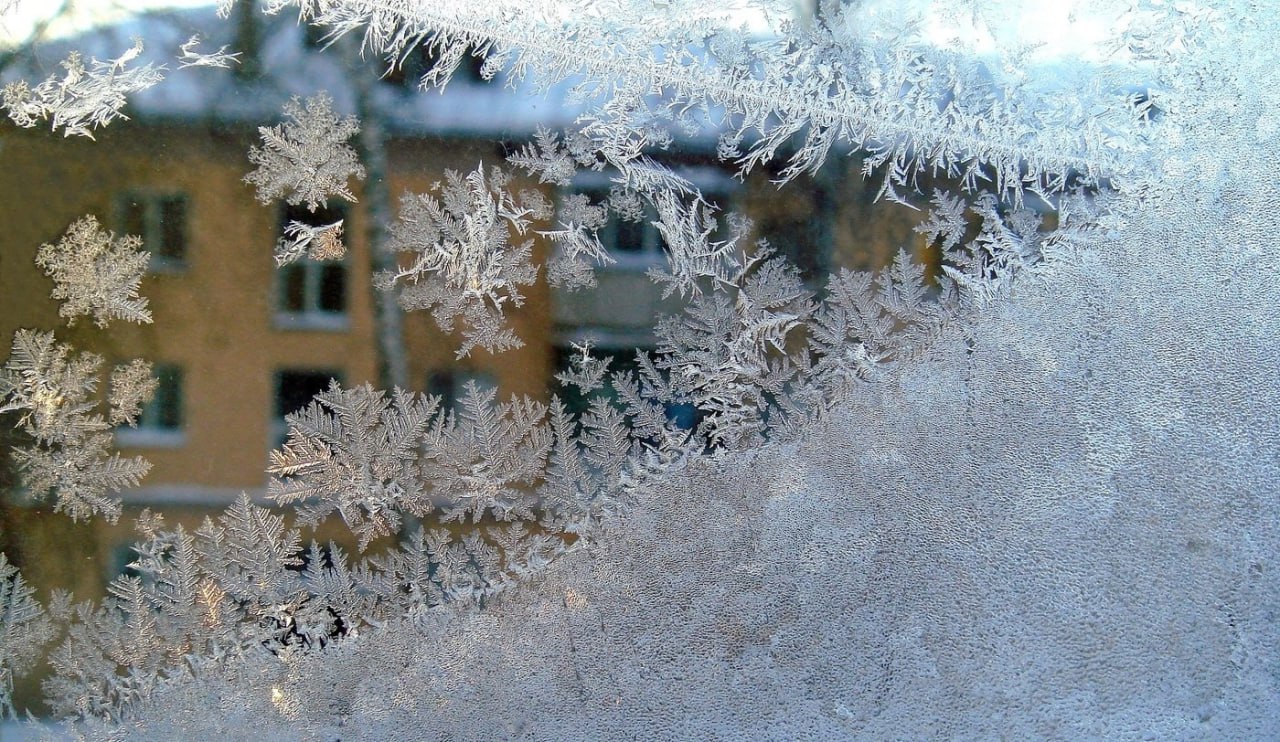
24 629
464 269
52 391
1026 491
355 451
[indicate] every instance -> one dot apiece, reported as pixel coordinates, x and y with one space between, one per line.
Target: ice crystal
1053 452
585 371
307 158
355 451
693 255
577 242
916 108
546 158
53 393
728 353
190 56
85 98
318 242
95 273
463 265
24 630
487 460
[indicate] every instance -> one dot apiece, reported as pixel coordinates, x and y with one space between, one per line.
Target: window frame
277 428
312 316
149 433
715 186
153 234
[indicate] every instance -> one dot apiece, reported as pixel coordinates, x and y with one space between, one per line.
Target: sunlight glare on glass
20 18
1050 30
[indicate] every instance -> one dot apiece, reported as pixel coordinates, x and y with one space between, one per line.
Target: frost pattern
190 56
318 242
356 451
53 393
585 371
24 630
307 158
914 107
464 269
728 353
85 98
1031 496
94 273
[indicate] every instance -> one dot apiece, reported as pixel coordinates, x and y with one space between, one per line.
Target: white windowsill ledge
150 438
315 321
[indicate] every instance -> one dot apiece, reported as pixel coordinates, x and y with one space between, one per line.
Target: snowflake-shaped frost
94 273
465 270
306 159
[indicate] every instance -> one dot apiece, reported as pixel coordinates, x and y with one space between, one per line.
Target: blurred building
236 342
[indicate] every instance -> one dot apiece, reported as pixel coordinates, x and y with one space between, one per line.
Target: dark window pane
685 416
173 228
470 68
441 384
295 389
333 288
797 240
163 412
630 236
160 221
313 36
166 406
570 395
133 218
308 286
409 69
293 288
300 213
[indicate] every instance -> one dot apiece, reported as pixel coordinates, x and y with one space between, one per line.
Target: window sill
150 438
166 266
313 321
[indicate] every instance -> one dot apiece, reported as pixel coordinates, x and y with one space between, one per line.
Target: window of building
160 220
801 239
632 244
294 390
161 422
628 240
314 35
120 561
311 294
450 385
638 245
621 360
